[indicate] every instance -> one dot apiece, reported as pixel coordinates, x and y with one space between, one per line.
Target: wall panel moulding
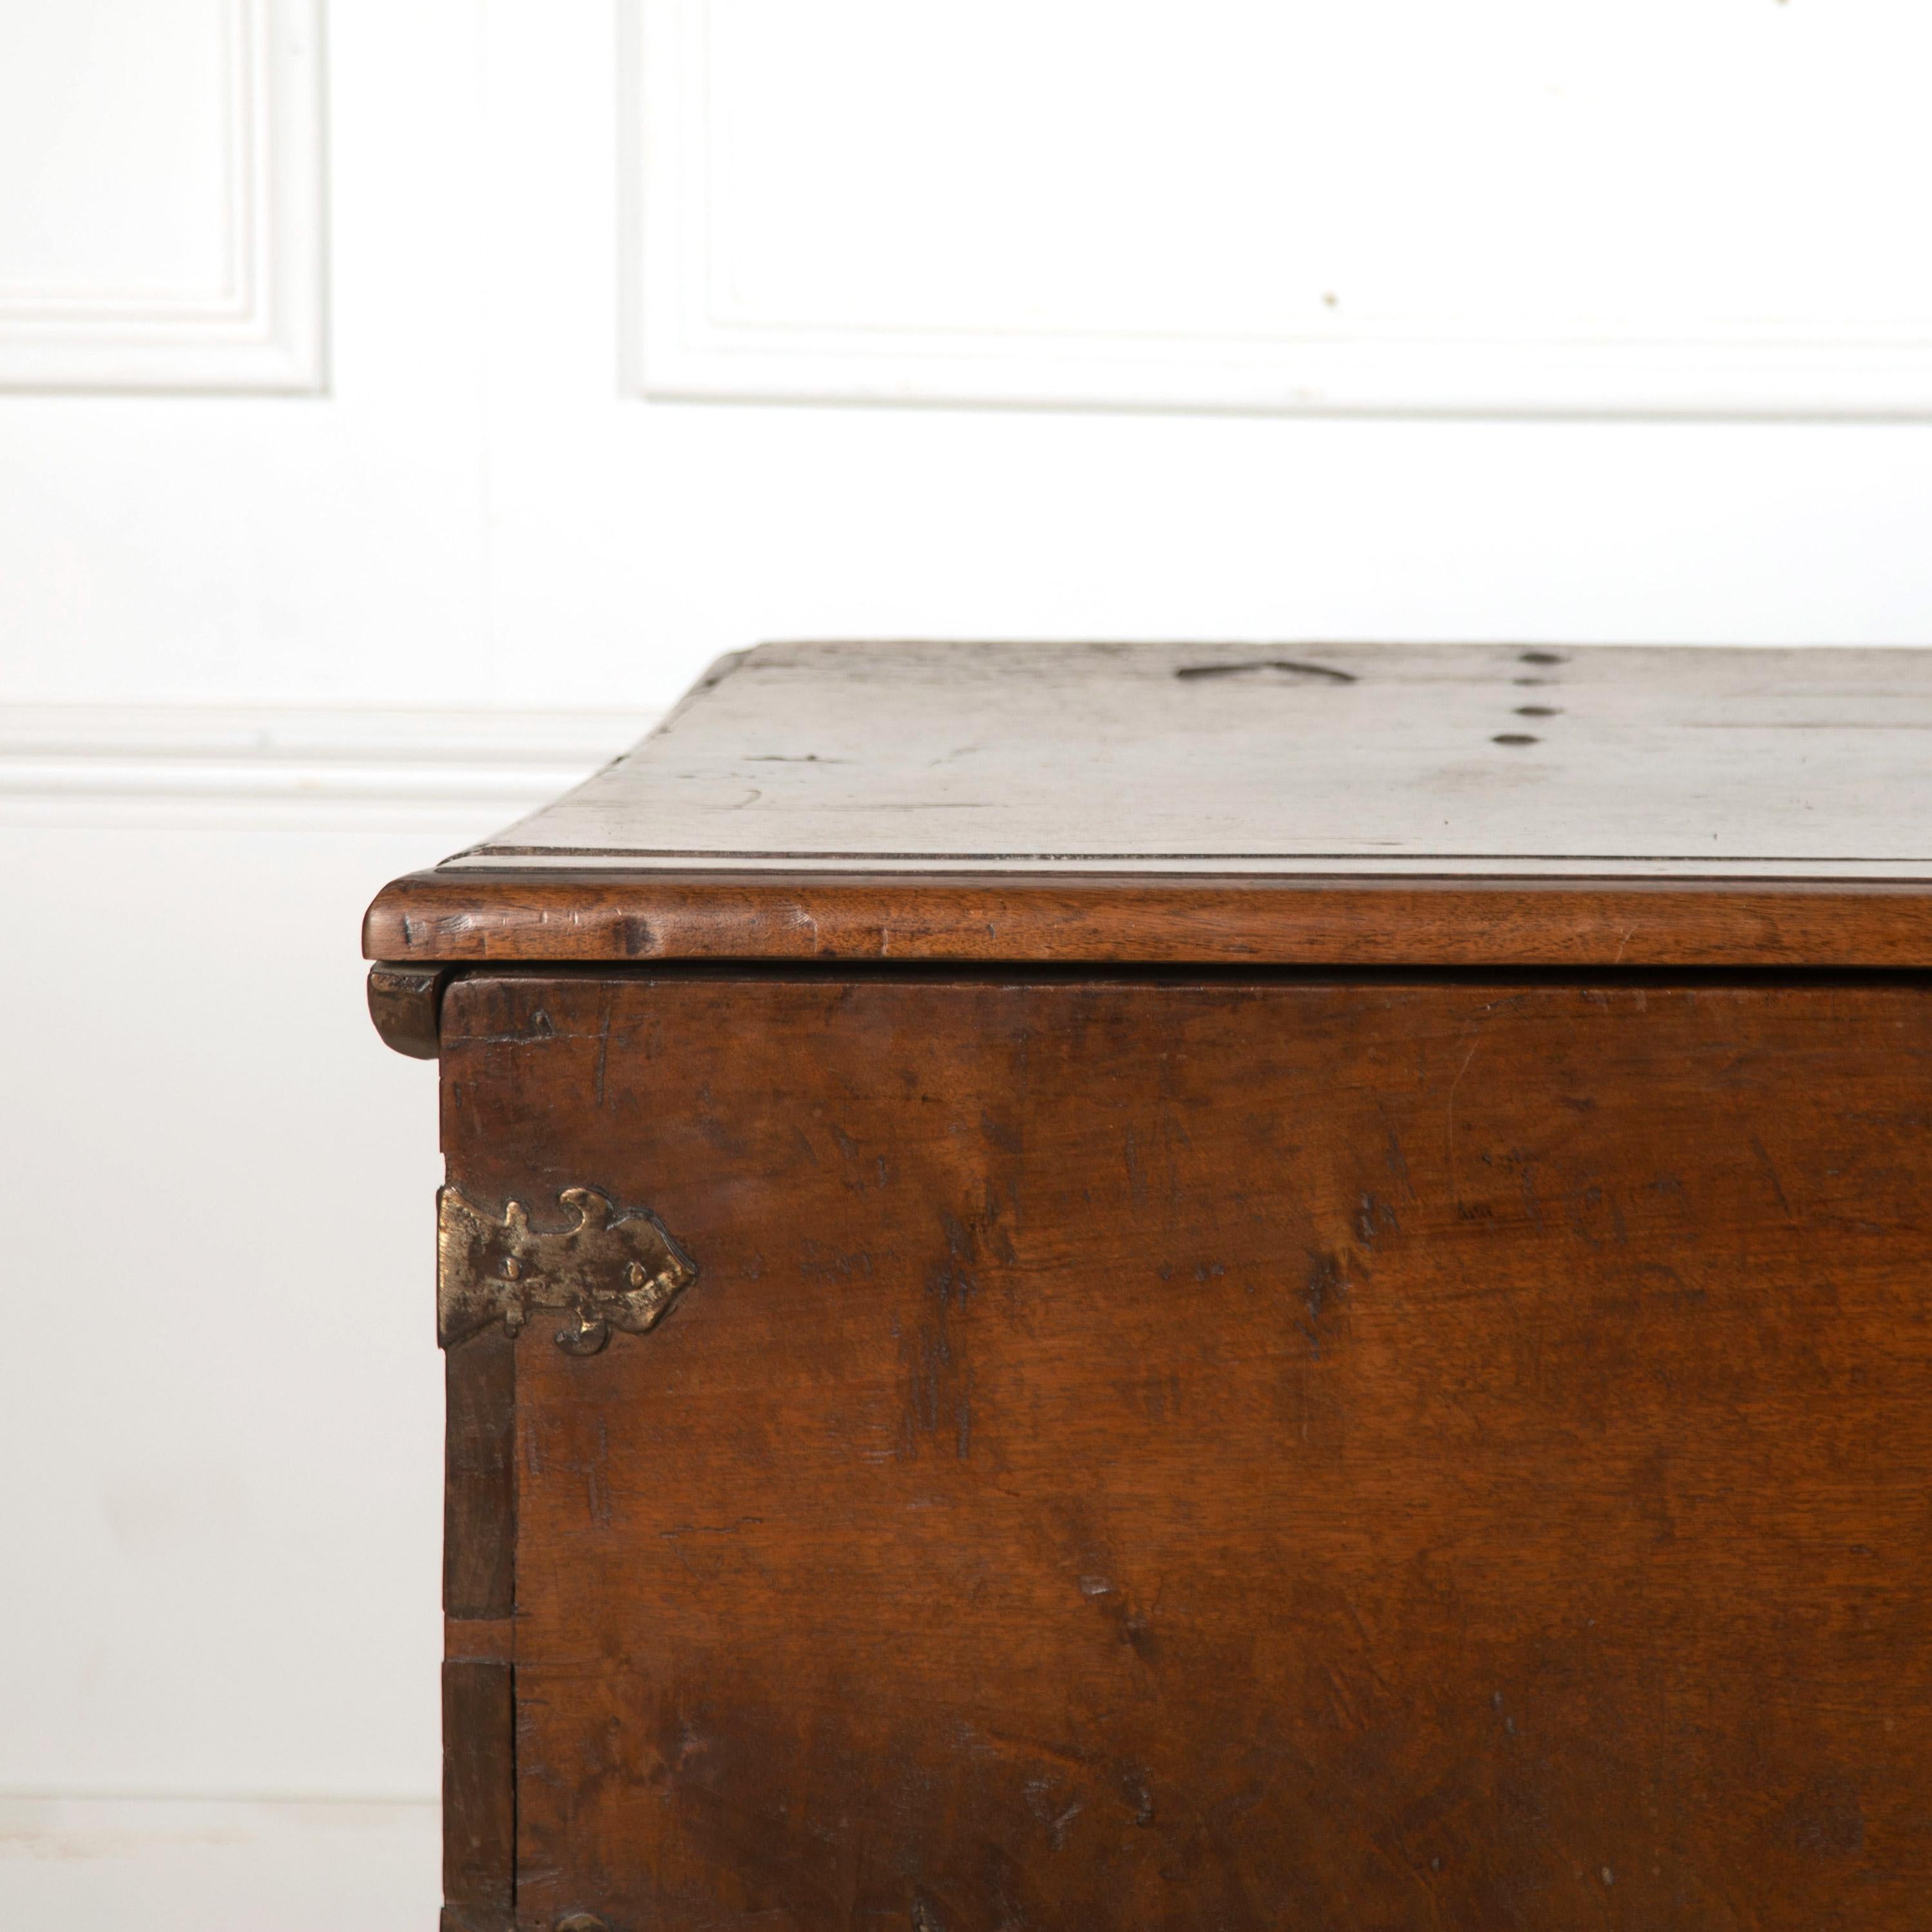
462 773
161 196
1502 208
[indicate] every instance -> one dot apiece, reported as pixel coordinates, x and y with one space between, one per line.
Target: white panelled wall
400 403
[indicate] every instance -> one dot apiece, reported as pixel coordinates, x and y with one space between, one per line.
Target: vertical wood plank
479 1496
479 1591
479 1808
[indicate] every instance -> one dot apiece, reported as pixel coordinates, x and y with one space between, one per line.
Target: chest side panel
1203 1455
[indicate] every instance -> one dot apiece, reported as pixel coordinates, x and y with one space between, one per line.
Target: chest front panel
1194 1454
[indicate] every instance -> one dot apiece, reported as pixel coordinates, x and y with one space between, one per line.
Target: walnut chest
1194 1288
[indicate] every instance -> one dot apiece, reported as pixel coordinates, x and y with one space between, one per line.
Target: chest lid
1467 804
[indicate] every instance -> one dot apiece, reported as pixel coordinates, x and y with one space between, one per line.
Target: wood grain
587 917
1365 758
1378 805
404 1000
479 1490
479 1639
479 1816
1197 1455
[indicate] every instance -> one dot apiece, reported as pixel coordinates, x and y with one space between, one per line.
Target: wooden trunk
1129 1442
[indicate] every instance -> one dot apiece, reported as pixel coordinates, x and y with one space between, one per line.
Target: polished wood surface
582 918
1348 758
1447 805
1197 1454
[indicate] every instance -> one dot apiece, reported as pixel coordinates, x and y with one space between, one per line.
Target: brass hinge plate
611 1268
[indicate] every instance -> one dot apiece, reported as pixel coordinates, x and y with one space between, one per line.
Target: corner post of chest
479 1666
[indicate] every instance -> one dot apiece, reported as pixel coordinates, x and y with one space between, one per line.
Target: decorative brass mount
610 1269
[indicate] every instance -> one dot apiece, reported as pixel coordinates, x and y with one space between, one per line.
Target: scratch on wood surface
1455 1192
1770 1172
1292 668
603 1042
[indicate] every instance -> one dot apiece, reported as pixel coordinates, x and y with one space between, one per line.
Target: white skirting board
104 1864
